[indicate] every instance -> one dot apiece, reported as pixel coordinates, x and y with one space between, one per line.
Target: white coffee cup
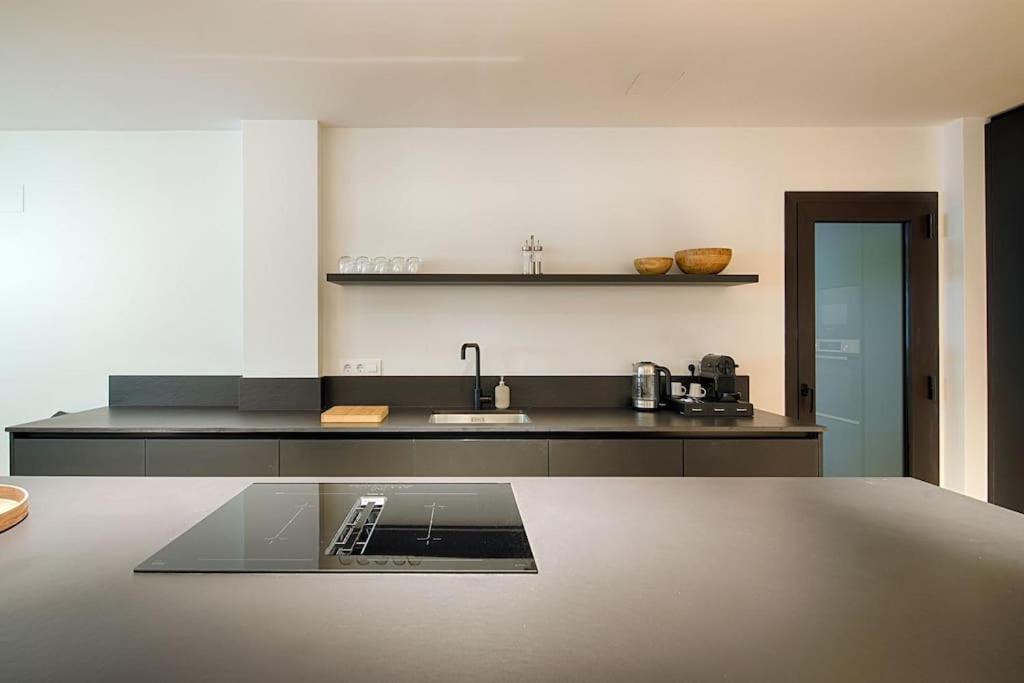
695 390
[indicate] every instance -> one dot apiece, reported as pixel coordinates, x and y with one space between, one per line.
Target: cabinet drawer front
482 458
348 458
752 458
79 457
211 457
616 458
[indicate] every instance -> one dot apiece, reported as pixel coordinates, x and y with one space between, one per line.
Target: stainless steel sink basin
492 417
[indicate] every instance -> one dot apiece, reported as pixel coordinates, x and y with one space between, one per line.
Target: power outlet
361 366
684 369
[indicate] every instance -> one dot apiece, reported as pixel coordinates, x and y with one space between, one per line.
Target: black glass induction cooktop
356 528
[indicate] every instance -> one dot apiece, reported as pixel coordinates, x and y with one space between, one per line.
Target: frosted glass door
859 347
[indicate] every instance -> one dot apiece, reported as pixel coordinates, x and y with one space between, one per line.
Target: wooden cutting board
343 414
13 505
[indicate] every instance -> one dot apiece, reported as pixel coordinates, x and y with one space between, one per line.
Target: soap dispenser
502 395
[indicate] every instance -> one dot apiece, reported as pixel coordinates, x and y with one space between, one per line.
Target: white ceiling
142 64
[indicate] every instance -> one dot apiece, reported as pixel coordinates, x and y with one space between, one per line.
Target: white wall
126 259
464 199
128 256
964 321
279 210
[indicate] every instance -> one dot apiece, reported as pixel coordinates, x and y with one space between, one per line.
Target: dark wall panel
279 393
528 391
1004 194
173 391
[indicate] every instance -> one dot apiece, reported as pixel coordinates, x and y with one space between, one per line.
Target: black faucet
478 400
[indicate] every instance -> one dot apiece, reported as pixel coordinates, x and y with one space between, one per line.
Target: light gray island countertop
639 579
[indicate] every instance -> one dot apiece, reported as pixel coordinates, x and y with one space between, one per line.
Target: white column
280 177
964 336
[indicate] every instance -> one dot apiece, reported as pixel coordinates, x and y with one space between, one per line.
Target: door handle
807 391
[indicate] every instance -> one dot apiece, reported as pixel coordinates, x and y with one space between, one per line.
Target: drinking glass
412 264
380 264
363 264
346 265
397 264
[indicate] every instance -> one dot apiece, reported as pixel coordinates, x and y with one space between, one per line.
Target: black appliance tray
713 408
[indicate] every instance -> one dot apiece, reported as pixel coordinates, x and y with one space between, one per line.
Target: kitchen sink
494 417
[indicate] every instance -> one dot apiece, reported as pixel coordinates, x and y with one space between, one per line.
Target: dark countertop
726 579
403 421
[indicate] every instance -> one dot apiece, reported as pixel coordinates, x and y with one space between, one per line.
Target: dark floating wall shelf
535 280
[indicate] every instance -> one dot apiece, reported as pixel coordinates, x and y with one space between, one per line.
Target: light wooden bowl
652 265
710 261
13 505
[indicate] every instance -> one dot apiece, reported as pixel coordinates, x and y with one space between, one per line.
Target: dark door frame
918 211
1004 282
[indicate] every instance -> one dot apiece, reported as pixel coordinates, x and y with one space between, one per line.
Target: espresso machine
716 375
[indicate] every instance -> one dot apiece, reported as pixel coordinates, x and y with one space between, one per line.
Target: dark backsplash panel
421 391
279 393
447 392
214 391
457 392
173 391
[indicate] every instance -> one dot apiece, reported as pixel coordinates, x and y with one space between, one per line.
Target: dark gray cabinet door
482 457
79 457
211 457
348 458
752 458
616 457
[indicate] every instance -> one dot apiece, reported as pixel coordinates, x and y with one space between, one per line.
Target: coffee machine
718 377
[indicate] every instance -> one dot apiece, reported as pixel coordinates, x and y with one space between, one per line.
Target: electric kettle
652 385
